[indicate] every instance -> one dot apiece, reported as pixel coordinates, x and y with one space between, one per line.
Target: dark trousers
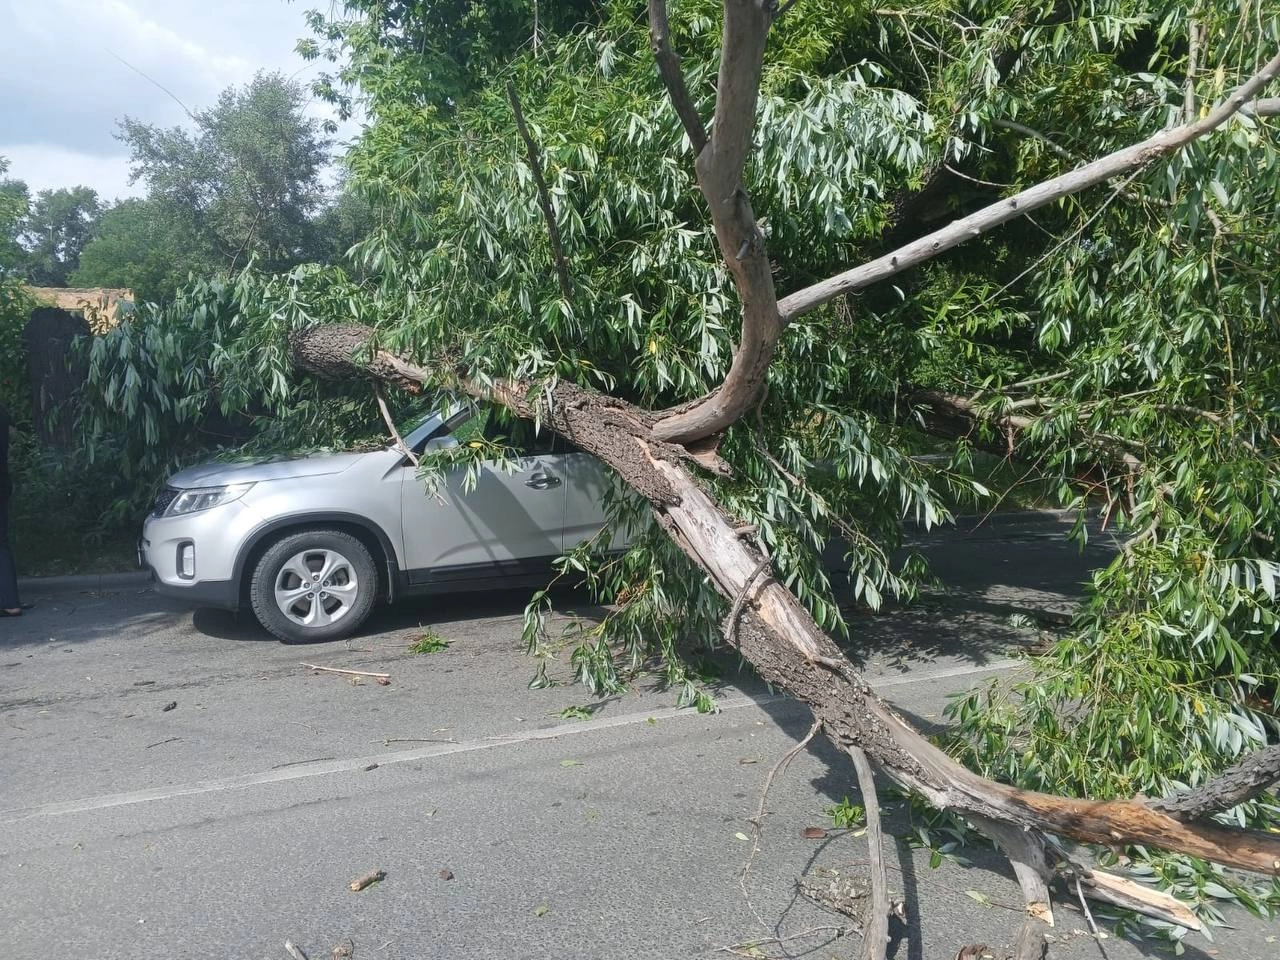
8 571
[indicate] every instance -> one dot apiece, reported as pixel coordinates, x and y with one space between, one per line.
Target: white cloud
143 41
70 69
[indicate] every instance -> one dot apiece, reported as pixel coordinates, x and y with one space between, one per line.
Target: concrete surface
235 820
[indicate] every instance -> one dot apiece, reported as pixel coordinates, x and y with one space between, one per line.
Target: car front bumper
211 540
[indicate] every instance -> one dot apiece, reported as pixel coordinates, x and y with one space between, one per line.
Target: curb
86 582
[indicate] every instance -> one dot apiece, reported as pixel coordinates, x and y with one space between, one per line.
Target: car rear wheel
314 585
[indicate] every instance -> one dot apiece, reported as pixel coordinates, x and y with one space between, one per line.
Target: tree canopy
150 246
1113 340
43 237
246 180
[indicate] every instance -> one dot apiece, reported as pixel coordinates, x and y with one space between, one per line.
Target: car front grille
163 499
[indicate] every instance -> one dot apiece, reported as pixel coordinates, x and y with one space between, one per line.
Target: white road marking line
329 767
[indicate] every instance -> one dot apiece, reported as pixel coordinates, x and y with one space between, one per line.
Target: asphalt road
235 819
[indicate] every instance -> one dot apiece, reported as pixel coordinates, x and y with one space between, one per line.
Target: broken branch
367 880
875 933
967 228
386 416
779 637
1121 892
1025 850
350 673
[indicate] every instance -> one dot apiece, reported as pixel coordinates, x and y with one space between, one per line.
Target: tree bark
773 630
719 164
1238 783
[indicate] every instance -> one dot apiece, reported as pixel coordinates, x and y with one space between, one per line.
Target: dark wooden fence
54 373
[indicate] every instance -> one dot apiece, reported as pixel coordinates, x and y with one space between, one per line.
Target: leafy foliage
247 181
15 307
148 246
15 201
1131 326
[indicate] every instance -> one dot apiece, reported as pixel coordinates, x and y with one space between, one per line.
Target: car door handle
542 481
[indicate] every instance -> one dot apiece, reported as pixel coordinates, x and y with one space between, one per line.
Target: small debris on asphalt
344 950
161 743
294 951
144 683
383 678
367 880
372 766
446 873
171 705
814 833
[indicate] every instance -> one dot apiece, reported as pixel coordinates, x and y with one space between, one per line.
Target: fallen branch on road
367 880
382 678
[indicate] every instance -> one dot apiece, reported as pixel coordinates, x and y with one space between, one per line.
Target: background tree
439 51
15 200
58 225
248 177
150 246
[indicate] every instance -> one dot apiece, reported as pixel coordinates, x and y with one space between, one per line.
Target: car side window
496 425
500 425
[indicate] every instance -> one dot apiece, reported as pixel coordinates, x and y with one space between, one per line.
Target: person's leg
8 571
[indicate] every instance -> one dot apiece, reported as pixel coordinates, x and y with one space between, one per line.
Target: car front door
510 522
588 483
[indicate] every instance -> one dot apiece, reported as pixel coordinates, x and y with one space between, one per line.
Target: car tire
314 585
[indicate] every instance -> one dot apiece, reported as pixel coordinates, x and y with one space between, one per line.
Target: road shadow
69 619
924 889
412 614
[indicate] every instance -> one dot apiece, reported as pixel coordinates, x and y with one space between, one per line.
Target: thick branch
1263 107
1026 852
780 639
669 69
1242 781
957 417
1091 174
544 195
719 166
875 933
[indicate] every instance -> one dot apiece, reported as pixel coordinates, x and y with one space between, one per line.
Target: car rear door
509 523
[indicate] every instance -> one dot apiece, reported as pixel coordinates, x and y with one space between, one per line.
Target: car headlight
202 498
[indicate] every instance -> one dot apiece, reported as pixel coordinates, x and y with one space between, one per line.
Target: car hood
275 468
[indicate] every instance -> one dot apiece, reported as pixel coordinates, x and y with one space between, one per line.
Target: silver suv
310 544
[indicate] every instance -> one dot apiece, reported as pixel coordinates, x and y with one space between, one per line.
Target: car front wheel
314 585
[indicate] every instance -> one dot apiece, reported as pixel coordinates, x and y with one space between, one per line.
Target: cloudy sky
70 68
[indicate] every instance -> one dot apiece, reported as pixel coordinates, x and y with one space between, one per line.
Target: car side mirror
440 443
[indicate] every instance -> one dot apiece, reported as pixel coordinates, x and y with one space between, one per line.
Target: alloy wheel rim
315 588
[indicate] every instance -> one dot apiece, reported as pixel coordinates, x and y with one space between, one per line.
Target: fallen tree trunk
772 629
